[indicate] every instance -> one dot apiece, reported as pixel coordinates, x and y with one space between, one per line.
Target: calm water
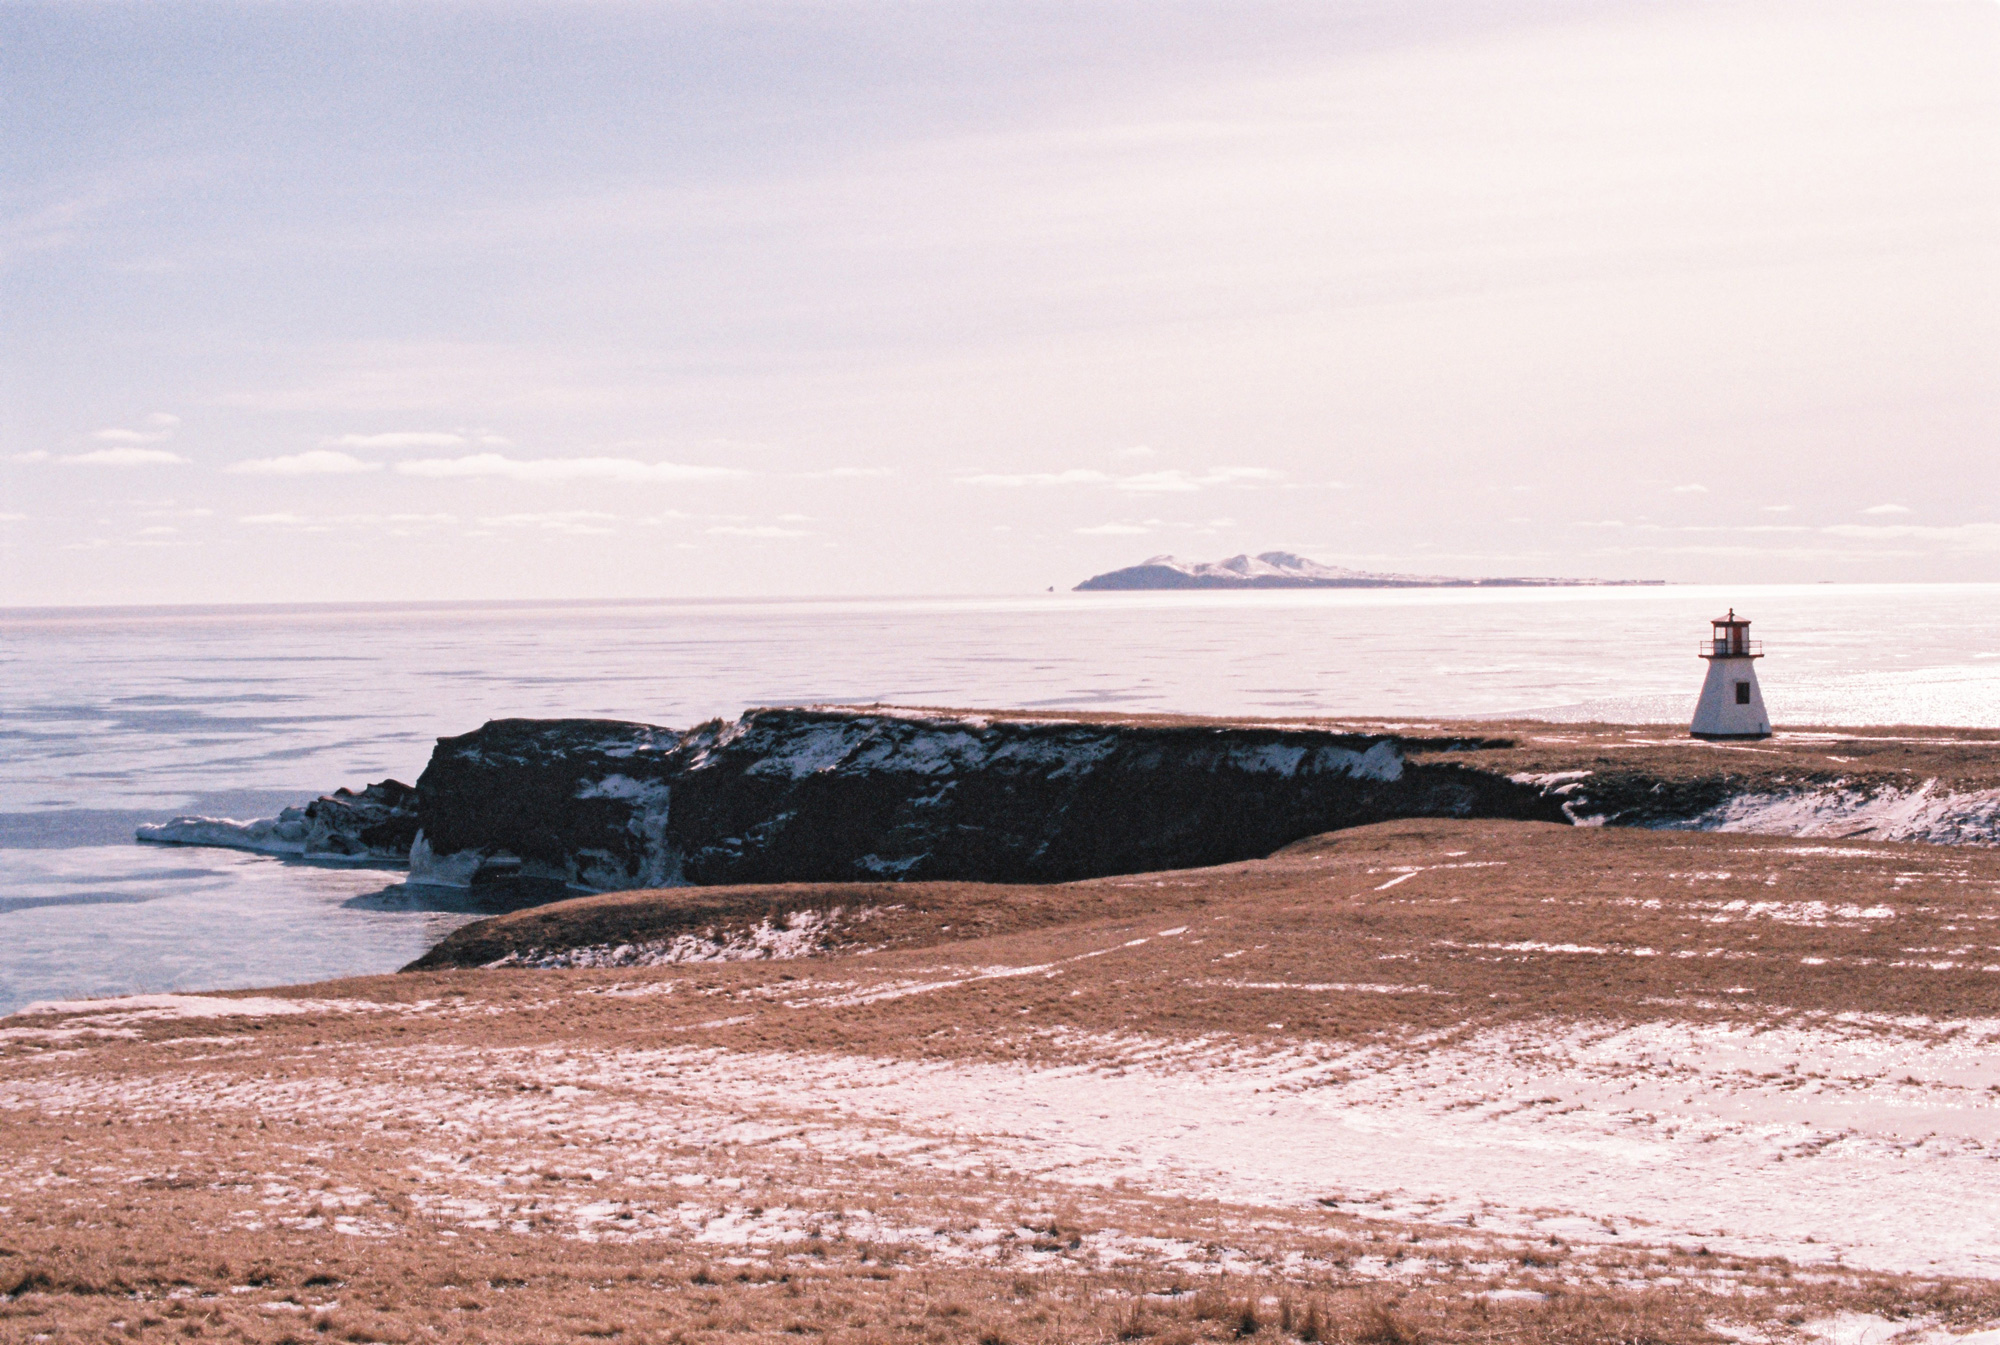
110 719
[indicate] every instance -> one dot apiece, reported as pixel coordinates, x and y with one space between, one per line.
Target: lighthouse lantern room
1731 704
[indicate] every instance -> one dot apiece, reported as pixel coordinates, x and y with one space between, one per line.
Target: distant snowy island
1282 569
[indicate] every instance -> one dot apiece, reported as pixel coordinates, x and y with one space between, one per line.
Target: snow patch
453 870
624 788
1551 782
797 934
939 747
1383 761
1924 813
1323 987
1856 1328
156 1008
1789 912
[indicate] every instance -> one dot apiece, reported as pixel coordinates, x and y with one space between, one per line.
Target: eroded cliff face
838 796
576 802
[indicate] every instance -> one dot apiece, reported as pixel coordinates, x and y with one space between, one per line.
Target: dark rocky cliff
835 796
544 808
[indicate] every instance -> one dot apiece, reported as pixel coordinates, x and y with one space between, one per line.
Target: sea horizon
1567 587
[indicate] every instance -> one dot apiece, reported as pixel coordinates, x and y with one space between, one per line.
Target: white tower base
1731 704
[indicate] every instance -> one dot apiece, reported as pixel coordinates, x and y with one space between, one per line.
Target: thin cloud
1113 530
399 525
1958 537
1698 527
13 518
1136 451
315 462
126 457
542 520
1172 480
572 522
847 473
1076 476
116 436
395 439
765 530
1886 509
1846 541
34 455
544 470
1176 481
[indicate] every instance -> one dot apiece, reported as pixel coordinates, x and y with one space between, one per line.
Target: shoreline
1886 782
1895 782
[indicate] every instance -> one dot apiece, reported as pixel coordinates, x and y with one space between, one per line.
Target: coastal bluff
536 810
841 795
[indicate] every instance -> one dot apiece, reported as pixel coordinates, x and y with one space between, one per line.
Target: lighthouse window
1742 693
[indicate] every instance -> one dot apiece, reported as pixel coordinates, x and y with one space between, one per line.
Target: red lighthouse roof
1731 639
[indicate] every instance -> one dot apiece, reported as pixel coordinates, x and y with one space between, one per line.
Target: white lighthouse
1731 705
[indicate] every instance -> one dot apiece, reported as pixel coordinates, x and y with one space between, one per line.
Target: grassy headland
1438 1080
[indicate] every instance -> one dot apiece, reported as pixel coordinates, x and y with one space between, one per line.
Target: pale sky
467 300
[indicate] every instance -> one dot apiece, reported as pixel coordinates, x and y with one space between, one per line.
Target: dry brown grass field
1424 1081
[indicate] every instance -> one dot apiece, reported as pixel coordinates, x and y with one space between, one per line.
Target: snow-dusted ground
1852 1138
157 1008
1834 1141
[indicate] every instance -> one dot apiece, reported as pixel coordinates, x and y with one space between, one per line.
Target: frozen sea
111 718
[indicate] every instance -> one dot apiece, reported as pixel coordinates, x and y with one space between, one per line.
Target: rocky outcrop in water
833 796
378 825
